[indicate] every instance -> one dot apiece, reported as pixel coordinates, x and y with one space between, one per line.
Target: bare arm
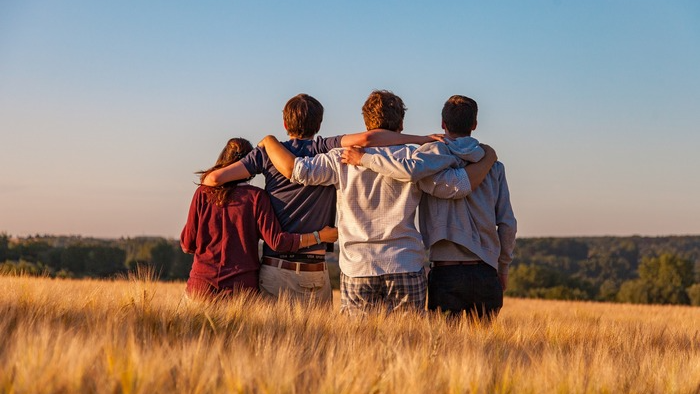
460 182
420 164
232 172
477 171
449 179
281 158
327 235
381 137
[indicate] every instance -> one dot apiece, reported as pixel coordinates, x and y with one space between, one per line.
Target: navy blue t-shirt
300 209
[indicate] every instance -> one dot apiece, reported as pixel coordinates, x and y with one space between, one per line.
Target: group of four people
465 214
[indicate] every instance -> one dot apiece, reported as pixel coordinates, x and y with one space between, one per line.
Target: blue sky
107 108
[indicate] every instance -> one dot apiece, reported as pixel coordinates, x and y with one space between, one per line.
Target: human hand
328 234
503 278
437 137
490 154
266 139
352 156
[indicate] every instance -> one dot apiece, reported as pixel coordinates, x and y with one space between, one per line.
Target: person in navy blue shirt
301 209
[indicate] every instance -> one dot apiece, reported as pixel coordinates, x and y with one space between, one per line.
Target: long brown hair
235 149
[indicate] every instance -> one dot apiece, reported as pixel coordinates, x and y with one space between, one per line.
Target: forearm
320 170
478 171
418 166
382 137
326 235
281 158
232 172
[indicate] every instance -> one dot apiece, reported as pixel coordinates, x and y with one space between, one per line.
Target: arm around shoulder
232 172
382 137
281 158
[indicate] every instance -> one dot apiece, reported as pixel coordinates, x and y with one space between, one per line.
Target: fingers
351 156
489 151
438 137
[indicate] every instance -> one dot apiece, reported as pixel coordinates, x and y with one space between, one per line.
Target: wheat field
138 335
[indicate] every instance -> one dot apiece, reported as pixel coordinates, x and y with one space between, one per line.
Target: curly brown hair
459 115
383 110
302 116
235 149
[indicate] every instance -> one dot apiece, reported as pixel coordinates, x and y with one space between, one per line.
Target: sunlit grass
142 336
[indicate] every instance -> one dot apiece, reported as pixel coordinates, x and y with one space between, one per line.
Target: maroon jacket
224 239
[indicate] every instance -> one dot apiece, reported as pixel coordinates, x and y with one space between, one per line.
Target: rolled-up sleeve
320 170
422 162
452 183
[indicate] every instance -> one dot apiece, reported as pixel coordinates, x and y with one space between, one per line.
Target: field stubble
141 336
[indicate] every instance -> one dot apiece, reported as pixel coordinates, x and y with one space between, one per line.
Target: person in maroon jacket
224 226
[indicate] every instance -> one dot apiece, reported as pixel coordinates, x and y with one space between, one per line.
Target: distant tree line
78 257
649 270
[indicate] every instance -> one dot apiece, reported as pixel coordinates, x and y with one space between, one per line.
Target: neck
454 136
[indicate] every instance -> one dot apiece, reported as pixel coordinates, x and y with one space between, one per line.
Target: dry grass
140 336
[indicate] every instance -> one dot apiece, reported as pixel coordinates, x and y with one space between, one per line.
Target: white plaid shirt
376 214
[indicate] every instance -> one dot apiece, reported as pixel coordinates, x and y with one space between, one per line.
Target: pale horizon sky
108 108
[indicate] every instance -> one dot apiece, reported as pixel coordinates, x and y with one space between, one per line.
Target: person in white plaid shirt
381 251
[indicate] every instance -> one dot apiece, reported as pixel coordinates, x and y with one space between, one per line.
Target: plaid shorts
392 291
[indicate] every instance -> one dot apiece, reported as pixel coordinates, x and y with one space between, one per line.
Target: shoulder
334 141
331 155
498 169
250 189
434 147
201 190
253 160
400 151
251 194
323 144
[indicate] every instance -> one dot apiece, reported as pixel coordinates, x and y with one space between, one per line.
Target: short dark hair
302 116
383 110
459 115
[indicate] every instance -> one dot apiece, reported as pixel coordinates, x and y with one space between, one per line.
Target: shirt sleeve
452 183
253 161
270 228
506 223
325 145
320 170
424 161
188 237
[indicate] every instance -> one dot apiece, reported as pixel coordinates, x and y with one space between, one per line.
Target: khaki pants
297 285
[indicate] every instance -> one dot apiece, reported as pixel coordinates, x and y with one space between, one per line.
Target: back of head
302 116
235 149
383 110
459 115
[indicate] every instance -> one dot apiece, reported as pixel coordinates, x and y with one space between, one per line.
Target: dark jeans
471 288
